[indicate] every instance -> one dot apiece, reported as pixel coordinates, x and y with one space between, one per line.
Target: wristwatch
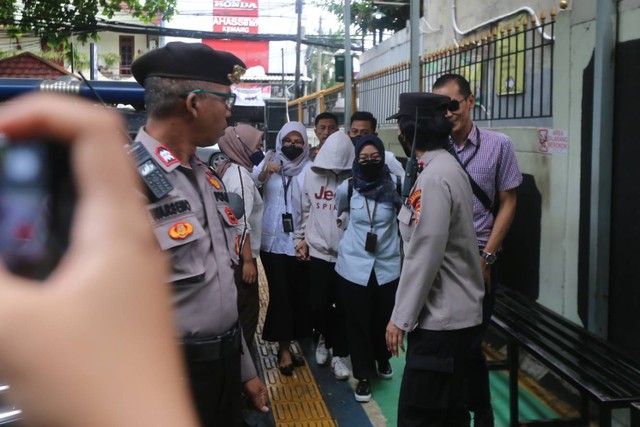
489 258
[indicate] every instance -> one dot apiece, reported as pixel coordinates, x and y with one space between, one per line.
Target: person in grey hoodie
317 241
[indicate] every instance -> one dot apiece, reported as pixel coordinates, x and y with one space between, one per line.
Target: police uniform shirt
195 226
441 286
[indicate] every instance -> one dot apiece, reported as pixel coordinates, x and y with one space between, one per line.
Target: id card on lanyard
287 217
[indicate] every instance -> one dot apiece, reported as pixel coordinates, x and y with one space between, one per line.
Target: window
126 55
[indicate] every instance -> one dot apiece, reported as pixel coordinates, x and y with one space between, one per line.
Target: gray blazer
441 286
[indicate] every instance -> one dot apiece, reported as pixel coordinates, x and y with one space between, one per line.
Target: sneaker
339 368
385 371
322 352
363 391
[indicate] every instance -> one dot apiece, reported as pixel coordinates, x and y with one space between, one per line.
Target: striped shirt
490 159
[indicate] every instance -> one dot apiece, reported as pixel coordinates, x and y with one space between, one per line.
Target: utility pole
414 67
298 43
348 73
319 61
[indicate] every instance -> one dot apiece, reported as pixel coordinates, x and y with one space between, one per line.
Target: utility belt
215 348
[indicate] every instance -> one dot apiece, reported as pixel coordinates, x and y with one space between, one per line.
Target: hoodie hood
336 154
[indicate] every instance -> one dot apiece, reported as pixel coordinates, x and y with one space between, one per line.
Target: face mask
292 152
256 158
407 150
370 170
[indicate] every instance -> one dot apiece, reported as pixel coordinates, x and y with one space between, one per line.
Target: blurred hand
95 343
249 272
394 337
272 167
302 251
256 393
486 274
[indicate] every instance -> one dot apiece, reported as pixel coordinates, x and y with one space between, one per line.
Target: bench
601 373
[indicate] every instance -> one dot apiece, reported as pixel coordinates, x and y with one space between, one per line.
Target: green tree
368 17
54 20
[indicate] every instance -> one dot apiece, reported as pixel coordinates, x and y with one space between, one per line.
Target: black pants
367 312
434 388
248 305
327 313
216 390
287 316
479 389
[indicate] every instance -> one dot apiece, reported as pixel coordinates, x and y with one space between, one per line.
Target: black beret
189 61
429 104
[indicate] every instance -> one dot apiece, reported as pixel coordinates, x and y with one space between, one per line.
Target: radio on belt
154 178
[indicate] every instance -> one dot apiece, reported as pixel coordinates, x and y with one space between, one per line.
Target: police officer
439 296
188 99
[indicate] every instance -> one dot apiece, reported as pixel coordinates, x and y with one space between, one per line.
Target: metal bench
601 373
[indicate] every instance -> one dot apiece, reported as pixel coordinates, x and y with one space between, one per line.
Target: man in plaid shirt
489 158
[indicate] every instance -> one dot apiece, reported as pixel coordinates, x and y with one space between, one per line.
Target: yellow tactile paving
296 400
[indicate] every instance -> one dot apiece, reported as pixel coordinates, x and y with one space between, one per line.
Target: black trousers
288 315
216 390
327 313
479 389
434 388
248 304
367 312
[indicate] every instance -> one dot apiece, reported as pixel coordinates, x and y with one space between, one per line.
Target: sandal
297 359
285 369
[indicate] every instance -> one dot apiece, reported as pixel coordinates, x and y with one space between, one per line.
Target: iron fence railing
379 92
510 69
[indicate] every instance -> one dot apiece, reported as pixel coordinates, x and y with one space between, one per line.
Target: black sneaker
363 391
385 371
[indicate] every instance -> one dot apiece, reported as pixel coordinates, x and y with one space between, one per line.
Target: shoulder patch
415 200
165 156
231 216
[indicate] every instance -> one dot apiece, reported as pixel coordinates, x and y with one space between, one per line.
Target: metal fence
305 109
379 92
510 69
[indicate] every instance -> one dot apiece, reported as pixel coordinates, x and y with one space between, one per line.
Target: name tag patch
170 209
181 230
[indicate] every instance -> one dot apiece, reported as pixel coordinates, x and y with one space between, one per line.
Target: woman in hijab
368 262
281 176
242 144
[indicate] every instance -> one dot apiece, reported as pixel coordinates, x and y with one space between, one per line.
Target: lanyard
453 151
371 217
285 184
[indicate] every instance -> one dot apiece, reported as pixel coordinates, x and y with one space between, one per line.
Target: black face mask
370 170
256 158
403 144
292 152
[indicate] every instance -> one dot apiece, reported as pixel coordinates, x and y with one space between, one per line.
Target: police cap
189 61
423 103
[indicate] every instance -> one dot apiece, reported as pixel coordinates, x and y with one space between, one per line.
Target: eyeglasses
373 158
287 142
454 105
229 98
